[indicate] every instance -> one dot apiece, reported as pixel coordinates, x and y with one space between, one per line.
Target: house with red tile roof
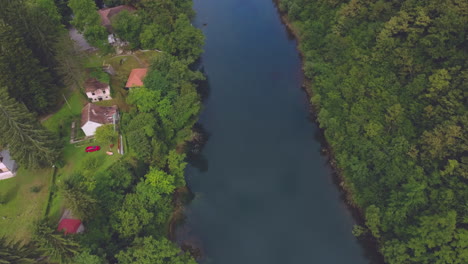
136 77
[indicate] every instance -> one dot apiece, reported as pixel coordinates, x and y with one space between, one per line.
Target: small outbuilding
136 78
71 226
96 90
94 116
8 166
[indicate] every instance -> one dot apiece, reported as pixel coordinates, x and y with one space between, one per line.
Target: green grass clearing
21 205
60 122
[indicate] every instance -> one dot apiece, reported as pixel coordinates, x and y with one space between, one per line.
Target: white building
96 90
7 165
94 116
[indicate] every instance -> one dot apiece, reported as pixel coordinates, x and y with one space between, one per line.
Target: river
266 194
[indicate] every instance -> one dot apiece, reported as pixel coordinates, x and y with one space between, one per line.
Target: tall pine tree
57 246
29 143
16 253
21 73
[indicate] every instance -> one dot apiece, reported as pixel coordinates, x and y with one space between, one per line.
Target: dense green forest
127 208
389 80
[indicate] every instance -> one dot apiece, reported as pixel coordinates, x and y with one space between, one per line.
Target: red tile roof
69 226
136 77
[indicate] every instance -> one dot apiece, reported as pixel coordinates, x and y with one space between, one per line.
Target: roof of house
93 84
6 159
136 77
99 114
69 226
107 13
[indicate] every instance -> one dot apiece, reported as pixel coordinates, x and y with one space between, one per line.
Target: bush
35 189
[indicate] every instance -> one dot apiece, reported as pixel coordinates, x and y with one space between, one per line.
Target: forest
389 82
127 208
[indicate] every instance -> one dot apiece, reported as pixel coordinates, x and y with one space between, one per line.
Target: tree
187 39
153 36
29 143
149 250
163 182
85 14
19 253
128 27
132 217
70 62
106 134
38 24
26 80
146 100
57 246
177 166
76 198
87 21
86 257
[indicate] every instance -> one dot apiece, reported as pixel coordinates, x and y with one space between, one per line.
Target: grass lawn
20 205
60 122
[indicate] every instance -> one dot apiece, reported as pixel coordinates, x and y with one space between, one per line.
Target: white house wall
104 94
90 128
6 175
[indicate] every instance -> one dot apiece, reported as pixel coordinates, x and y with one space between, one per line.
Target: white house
7 165
96 90
94 116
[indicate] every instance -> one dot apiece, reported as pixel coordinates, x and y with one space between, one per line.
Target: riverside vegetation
126 208
390 83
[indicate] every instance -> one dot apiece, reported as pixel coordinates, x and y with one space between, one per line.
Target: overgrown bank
389 82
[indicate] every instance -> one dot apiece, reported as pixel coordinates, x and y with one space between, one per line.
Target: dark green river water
266 195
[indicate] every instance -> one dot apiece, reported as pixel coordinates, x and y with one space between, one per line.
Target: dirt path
142 64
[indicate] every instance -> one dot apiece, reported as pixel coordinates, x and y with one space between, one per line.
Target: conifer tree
57 246
29 143
19 254
21 73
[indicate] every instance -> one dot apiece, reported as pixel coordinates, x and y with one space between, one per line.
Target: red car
92 148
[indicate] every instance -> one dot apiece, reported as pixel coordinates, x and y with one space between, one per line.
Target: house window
93 94
104 91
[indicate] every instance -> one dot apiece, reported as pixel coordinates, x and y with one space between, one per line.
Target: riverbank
368 241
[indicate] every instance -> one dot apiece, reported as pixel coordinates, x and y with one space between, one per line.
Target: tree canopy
148 250
389 85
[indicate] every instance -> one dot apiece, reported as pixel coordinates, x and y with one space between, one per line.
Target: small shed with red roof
136 78
70 226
